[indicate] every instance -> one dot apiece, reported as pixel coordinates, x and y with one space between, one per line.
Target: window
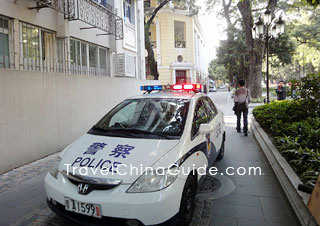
88 58
4 43
47 51
31 47
200 116
103 61
75 56
61 66
147 3
179 34
211 110
84 60
145 118
105 3
128 11
37 48
93 63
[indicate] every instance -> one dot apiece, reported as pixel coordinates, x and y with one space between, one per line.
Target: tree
233 56
229 12
150 14
256 50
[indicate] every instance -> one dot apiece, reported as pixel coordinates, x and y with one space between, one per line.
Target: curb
286 176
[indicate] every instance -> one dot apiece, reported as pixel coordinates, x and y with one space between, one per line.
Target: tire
188 201
221 153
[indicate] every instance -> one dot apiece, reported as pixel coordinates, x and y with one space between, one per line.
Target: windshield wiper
131 132
100 128
137 131
111 132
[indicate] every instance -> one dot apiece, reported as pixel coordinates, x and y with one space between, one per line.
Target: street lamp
265 30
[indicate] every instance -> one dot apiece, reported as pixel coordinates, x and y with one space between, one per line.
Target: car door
215 136
201 116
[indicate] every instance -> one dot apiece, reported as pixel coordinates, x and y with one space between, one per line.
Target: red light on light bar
177 87
188 87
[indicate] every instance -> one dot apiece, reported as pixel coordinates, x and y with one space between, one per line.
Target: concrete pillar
173 76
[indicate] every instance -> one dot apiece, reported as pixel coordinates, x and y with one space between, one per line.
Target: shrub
308 87
304 161
295 126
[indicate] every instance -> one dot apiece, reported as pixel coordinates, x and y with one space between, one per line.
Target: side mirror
205 129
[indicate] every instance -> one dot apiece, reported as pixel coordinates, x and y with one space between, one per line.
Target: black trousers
245 120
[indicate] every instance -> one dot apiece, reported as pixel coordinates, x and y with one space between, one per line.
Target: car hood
113 158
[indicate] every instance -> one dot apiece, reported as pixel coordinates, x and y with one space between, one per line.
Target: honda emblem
83 189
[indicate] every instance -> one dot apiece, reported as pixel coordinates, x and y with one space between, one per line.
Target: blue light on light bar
150 88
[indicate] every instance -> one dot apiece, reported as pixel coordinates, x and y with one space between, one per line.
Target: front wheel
187 204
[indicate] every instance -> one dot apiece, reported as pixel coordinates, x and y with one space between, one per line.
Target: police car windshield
145 118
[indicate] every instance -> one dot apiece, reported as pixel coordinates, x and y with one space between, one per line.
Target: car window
125 114
211 109
145 118
200 116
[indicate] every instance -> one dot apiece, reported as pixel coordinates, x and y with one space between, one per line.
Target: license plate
88 209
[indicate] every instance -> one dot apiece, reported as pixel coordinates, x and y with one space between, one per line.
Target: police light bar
150 88
194 87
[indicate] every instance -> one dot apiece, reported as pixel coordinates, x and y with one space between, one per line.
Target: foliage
302 29
282 49
304 161
295 125
217 72
308 87
257 100
313 3
233 56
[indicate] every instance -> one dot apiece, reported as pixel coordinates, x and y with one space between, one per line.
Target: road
232 200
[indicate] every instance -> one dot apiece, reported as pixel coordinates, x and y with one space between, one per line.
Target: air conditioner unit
125 65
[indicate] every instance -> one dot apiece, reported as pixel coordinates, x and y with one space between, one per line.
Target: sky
213 28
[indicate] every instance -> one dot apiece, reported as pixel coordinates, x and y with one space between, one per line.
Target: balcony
180 44
98 15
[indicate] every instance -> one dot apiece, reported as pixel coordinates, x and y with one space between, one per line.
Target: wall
43 112
168 52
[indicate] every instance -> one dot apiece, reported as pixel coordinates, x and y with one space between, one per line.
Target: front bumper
117 206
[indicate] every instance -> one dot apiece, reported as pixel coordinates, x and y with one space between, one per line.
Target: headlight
154 180
55 167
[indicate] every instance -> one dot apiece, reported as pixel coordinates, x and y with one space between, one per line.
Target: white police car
140 164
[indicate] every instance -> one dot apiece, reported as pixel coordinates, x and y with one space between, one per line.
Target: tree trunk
147 24
151 59
256 53
255 57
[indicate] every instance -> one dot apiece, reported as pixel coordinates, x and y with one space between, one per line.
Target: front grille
94 183
94 186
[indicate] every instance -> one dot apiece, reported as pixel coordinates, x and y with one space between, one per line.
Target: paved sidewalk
240 201
256 200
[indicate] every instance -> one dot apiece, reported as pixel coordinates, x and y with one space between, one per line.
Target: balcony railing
88 11
180 44
67 7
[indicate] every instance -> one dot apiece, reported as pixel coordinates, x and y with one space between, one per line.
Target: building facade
63 65
179 46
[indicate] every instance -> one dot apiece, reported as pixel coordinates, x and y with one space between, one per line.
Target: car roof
168 95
